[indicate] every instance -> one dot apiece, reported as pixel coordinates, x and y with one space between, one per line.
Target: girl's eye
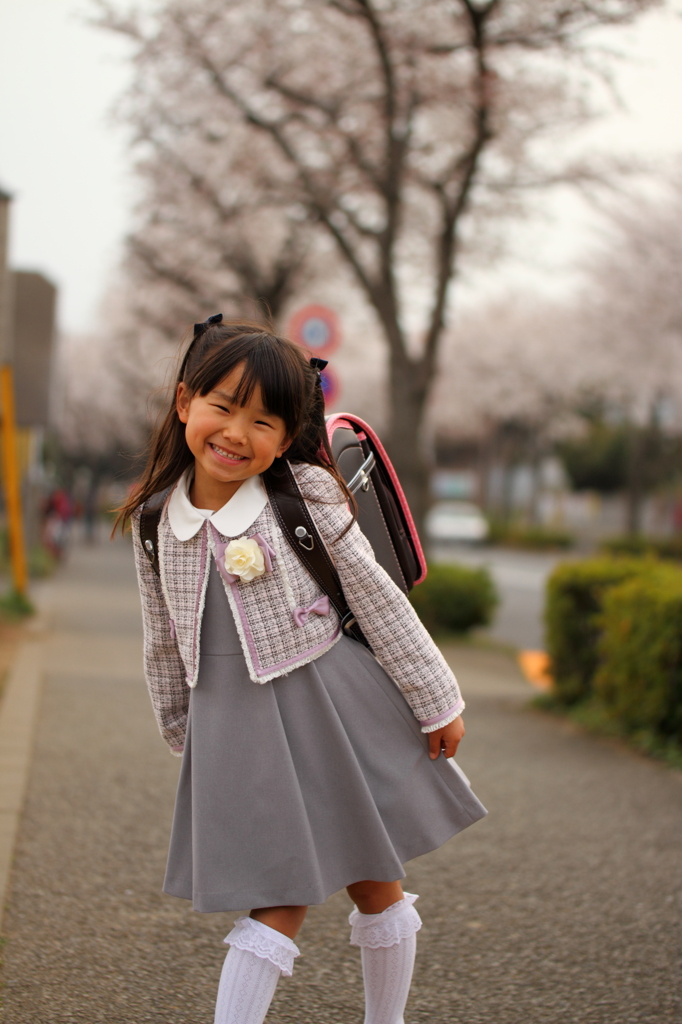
262 423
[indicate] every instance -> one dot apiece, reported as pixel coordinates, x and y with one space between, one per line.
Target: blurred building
6 289
35 300
27 335
34 304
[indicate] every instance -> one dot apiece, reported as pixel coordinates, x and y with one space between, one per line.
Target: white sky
66 164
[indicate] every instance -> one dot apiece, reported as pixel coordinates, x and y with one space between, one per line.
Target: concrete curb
18 716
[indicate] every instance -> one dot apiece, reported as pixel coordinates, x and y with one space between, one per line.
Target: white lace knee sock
257 957
388 942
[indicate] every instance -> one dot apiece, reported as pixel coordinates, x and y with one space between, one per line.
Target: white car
456 521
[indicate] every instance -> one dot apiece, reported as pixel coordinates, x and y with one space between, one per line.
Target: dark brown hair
289 386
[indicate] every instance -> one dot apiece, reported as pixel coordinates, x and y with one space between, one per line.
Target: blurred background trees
633 331
595 381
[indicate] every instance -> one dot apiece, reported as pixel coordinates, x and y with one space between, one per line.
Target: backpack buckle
361 478
347 623
302 535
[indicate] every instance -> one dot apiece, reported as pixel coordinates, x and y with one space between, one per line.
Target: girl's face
229 442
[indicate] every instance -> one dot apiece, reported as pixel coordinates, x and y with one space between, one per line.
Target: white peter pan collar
231 520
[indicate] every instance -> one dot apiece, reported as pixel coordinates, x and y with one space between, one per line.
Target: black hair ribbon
200 328
318 364
198 331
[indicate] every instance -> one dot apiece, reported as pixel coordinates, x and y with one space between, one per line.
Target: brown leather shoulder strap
149 527
304 539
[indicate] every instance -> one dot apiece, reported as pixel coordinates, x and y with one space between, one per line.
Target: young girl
309 763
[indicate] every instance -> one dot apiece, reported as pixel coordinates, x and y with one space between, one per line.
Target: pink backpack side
383 513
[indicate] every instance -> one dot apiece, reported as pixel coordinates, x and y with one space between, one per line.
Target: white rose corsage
245 558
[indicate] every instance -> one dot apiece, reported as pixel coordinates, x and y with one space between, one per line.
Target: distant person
57 516
305 768
677 517
90 509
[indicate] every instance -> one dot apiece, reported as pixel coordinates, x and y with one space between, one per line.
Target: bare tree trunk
485 463
404 441
635 481
506 504
533 509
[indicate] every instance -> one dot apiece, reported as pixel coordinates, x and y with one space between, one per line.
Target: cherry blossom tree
90 412
208 235
397 128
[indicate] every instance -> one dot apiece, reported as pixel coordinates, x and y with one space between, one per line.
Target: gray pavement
520 578
562 907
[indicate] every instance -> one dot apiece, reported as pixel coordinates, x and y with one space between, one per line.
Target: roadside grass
594 718
479 641
640 546
12 632
41 562
513 534
14 607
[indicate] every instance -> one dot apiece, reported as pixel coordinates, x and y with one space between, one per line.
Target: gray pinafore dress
291 790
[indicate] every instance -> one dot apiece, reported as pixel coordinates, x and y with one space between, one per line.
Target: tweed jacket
281 616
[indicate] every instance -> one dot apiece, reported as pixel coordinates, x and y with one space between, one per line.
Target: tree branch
466 169
150 258
317 201
351 143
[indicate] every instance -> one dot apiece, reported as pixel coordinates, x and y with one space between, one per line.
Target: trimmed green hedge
530 538
575 595
454 598
639 679
614 635
658 547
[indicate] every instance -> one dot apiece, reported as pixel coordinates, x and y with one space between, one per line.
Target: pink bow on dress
319 607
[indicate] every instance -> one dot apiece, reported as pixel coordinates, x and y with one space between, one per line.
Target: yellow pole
12 487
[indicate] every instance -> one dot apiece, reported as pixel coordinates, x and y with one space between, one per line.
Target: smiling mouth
225 454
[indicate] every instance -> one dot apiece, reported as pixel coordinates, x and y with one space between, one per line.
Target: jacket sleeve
163 667
399 640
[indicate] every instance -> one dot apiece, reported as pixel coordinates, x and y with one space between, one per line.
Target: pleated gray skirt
292 789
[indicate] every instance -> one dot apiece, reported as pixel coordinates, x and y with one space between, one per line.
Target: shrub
598 461
530 538
639 680
454 598
15 606
660 547
41 562
575 595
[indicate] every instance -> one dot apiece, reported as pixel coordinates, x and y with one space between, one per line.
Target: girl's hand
446 739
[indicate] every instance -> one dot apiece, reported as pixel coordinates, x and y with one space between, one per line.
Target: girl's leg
373 897
384 924
287 920
261 948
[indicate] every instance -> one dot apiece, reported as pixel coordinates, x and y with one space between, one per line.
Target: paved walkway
520 578
560 908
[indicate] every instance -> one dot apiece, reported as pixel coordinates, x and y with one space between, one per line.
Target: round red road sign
316 328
